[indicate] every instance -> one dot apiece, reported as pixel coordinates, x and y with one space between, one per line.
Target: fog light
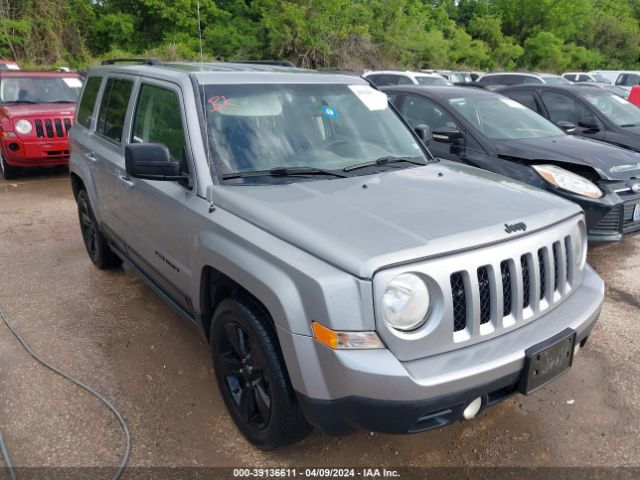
472 409
14 147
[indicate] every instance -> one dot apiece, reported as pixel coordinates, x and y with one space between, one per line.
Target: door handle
126 180
91 156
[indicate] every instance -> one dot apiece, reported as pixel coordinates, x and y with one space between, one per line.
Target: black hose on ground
109 405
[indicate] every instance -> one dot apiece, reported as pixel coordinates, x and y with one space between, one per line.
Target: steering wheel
336 142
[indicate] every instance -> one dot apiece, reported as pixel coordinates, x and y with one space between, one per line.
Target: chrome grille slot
39 129
59 130
505 274
67 125
49 126
485 294
543 272
526 285
556 265
459 297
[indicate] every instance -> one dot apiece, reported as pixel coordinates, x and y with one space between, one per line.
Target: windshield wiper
384 161
630 125
21 101
284 172
61 101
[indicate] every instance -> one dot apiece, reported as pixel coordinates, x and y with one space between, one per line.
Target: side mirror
151 161
424 132
568 127
590 123
447 135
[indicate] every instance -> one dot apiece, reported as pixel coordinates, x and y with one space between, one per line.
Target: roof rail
277 63
142 61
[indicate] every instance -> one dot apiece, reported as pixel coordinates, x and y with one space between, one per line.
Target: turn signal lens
9 135
337 340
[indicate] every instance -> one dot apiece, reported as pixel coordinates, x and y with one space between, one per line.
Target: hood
362 224
609 161
39 109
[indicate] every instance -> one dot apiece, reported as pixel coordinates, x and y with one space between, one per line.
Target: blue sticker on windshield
328 112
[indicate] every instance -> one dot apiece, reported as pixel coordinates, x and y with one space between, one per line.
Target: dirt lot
110 330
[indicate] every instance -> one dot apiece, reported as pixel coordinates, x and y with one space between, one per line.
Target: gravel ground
111 331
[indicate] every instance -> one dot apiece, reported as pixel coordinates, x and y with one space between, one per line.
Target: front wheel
97 247
252 376
8 172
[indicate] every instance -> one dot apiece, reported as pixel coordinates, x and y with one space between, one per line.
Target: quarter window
88 100
158 119
113 108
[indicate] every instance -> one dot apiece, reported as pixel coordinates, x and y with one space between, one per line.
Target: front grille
53 127
523 288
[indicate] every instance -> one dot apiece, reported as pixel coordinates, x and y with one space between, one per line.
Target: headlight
406 302
568 181
23 127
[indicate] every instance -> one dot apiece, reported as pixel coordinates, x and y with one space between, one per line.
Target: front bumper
18 153
340 390
610 218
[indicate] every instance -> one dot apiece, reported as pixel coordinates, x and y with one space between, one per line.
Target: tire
94 241
8 172
252 376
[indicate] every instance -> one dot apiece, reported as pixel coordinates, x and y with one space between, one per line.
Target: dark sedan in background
596 113
498 134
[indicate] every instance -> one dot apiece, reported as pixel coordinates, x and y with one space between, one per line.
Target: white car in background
579 77
383 78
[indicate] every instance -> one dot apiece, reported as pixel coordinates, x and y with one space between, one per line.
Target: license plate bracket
547 360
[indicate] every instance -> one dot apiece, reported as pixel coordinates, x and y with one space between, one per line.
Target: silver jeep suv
343 277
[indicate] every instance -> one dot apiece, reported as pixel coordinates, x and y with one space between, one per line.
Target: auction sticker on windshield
372 98
73 82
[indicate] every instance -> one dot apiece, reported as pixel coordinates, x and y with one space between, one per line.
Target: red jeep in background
8 65
36 113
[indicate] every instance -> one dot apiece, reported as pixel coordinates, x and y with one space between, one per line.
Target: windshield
39 89
553 80
319 126
501 118
616 109
428 80
599 78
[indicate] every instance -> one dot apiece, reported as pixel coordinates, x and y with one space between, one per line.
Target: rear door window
88 100
113 108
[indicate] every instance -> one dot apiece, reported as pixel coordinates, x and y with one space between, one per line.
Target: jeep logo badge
635 188
515 227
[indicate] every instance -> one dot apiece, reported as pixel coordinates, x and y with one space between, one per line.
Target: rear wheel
8 172
252 376
97 247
